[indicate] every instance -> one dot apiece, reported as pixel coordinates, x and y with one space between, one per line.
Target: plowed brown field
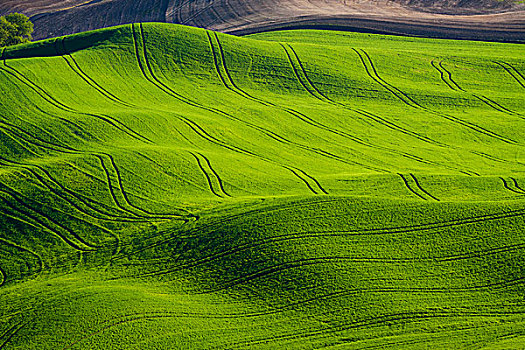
463 19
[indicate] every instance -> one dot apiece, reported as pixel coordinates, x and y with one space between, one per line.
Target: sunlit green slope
165 187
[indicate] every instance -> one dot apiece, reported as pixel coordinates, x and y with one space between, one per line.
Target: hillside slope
166 187
489 20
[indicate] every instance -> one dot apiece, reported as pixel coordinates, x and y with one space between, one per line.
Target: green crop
166 187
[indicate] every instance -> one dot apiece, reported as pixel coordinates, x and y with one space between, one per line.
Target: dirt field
492 20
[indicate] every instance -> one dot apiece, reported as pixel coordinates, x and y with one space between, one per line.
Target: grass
167 187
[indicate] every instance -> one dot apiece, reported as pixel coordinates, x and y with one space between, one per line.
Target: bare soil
490 20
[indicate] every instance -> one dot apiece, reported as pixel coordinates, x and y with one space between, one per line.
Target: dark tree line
15 28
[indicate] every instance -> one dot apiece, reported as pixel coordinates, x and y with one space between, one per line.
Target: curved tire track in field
137 317
310 87
229 84
75 67
421 188
507 186
513 72
86 208
20 198
76 242
219 180
402 318
100 156
407 185
11 332
51 100
380 231
24 218
16 247
442 73
295 171
372 73
196 128
220 221
298 264
315 92
517 185
342 233
351 259
4 278
74 126
487 101
217 190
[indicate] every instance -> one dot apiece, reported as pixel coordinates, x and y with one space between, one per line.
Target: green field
165 187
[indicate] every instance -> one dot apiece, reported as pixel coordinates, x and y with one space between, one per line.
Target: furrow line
294 113
506 185
394 126
197 13
517 185
270 134
37 224
178 10
324 98
153 315
94 82
313 90
13 330
210 184
303 180
442 75
401 318
125 196
19 248
75 67
364 232
295 236
18 196
201 132
513 72
309 86
313 179
310 89
216 63
233 86
48 98
19 142
163 170
44 144
98 156
223 220
3 281
494 105
41 92
45 218
411 103
301 263
422 189
15 129
219 180
487 101
372 73
450 77
111 188
41 180
407 185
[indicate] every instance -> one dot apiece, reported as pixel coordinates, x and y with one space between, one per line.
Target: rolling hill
166 187
488 20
